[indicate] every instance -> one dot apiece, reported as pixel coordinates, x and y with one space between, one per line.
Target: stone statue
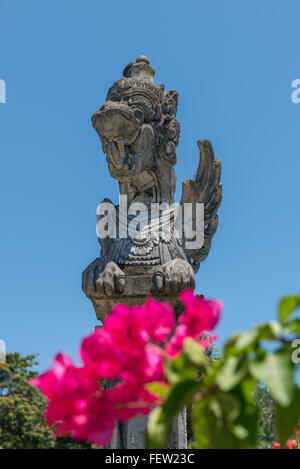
139 132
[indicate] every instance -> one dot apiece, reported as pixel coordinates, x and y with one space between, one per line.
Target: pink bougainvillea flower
125 327
67 387
153 370
297 429
63 378
95 423
291 444
199 315
143 365
276 445
174 346
108 355
76 404
207 341
132 326
46 380
129 348
99 353
158 319
130 400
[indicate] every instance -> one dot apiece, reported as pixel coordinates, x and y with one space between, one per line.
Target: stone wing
204 188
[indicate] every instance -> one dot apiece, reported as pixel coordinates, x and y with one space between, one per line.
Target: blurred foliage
231 409
22 407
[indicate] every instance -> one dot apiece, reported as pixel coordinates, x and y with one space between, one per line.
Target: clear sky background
232 63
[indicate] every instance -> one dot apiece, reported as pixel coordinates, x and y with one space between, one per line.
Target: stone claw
173 277
158 279
120 283
102 278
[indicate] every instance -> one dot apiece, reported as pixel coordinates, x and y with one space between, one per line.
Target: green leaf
232 372
172 373
204 422
246 339
264 331
245 425
287 418
196 354
180 396
240 432
157 430
292 327
246 342
214 423
158 388
269 330
287 305
230 406
277 373
210 428
160 419
180 369
248 387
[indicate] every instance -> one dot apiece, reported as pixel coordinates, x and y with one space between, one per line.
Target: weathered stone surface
178 434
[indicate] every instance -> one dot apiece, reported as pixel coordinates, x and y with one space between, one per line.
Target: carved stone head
139 132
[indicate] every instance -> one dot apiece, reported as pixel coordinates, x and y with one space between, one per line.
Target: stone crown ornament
139 133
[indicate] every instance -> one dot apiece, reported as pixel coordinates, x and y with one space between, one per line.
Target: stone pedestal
178 434
132 434
136 289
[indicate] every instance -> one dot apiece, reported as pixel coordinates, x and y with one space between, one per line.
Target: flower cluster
127 353
291 444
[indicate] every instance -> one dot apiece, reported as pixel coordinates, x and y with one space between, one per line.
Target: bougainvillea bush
142 362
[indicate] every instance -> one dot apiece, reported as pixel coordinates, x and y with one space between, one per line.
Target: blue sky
232 63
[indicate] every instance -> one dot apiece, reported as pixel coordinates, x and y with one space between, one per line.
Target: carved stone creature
139 132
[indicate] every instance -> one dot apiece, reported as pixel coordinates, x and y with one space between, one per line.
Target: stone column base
132 434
